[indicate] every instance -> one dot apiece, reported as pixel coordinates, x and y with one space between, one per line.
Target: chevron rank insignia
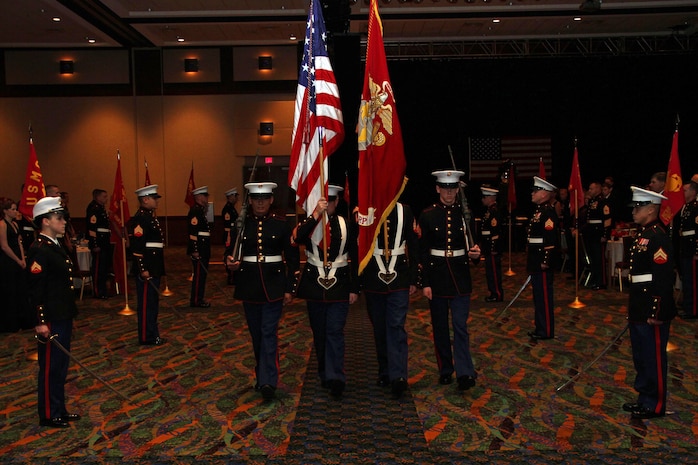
35 268
549 225
138 231
660 256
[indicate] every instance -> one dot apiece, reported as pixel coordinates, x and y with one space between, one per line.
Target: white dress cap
47 205
200 190
644 197
261 189
540 183
333 190
151 190
448 178
232 191
488 191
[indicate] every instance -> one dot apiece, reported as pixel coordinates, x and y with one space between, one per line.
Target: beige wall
77 138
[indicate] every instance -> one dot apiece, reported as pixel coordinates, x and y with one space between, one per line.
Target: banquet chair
624 264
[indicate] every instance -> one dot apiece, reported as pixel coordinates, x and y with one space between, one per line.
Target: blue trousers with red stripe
148 303
53 370
198 282
650 359
263 324
460 310
493 272
327 320
542 284
689 285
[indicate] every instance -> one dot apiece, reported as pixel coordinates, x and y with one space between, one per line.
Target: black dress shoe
644 413
383 381
398 387
268 391
54 422
336 387
71 417
202 304
537 337
631 406
493 298
445 379
465 382
158 341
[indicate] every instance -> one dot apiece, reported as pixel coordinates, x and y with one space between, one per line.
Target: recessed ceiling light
56 19
577 18
496 20
180 39
92 41
292 37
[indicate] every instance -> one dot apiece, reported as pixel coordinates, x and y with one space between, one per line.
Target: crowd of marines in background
433 252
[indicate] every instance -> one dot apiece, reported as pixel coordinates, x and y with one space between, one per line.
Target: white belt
535 240
103 230
338 263
154 245
263 259
379 252
486 233
28 228
204 233
595 221
688 233
447 253
640 278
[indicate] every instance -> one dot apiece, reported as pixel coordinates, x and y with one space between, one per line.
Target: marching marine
199 246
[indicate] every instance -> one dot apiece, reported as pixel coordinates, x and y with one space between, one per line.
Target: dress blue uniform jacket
198 223
652 253
405 265
261 281
347 277
442 228
543 225
491 234
144 228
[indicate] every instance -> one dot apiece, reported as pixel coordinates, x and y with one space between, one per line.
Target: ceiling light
180 39
495 20
577 18
292 37
56 19
92 41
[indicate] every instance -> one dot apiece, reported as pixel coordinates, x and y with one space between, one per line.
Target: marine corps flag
189 197
673 189
119 217
33 184
381 151
147 175
575 187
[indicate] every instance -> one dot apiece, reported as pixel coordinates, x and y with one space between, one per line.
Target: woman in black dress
13 284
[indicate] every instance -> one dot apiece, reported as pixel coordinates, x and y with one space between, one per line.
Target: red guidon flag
147 175
381 151
575 187
189 197
673 189
511 189
33 184
119 217
318 124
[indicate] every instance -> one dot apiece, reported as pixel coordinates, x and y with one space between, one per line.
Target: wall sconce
266 129
264 62
191 65
66 67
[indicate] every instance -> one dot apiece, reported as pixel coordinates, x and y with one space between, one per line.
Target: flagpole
126 311
321 155
577 303
510 272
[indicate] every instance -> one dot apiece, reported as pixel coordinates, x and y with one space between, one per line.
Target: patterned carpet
192 400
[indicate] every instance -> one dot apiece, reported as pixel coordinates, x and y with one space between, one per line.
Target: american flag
317 122
487 155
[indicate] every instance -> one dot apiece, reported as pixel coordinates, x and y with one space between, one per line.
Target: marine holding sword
446 249
265 264
51 293
329 283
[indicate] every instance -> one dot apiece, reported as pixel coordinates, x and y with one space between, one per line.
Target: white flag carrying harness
326 276
388 275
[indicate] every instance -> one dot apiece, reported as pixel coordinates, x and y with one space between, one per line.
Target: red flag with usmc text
33 189
381 151
673 189
119 217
